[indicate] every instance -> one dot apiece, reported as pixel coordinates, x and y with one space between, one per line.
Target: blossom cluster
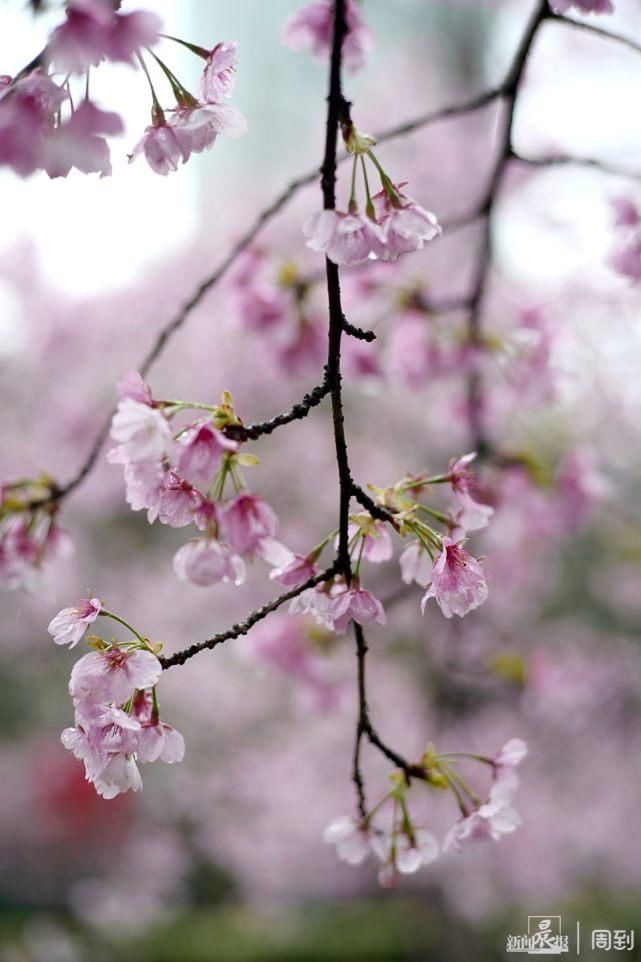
181 478
113 689
48 121
30 536
405 847
391 223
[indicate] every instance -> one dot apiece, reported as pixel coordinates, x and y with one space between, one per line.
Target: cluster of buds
391 223
181 477
29 534
113 689
405 846
48 121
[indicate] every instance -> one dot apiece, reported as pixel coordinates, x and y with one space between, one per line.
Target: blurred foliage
387 929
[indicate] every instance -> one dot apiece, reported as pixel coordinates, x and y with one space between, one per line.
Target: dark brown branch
337 114
597 31
370 505
364 727
242 432
509 94
242 627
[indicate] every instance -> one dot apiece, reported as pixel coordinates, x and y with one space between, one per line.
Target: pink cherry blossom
70 624
246 520
405 853
294 571
378 543
405 226
510 755
119 775
205 562
158 741
416 564
315 602
143 432
311 29
201 448
469 515
218 76
458 582
93 31
491 820
135 387
353 842
75 144
113 675
583 6
27 114
355 604
144 486
162 148
346 239
179 501
197 127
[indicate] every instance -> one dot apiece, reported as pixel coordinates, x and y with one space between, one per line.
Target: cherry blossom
179 501
246 520
162 148
405 852
205 562
93 30
70 624
218 78
377 543
405 225
355 604
201 449
112 675
28 109
75 144
143 432
416 564
289 569
135 387
347 239
458 582
352 840
311 29
491 820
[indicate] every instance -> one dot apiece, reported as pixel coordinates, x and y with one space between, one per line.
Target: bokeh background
221 858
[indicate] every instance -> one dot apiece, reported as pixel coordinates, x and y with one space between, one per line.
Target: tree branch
242 432
596 31
242 627
509 93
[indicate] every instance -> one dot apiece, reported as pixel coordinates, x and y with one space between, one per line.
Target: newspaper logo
544 937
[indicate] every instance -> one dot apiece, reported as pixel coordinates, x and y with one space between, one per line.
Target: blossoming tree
187 462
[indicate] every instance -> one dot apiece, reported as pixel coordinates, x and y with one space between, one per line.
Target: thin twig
245 432
509 93
596 31
242 627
